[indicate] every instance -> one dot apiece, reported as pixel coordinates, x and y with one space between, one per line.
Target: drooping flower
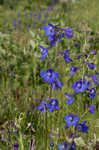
69 33
93 52
16 146
81 85
52 105
92 108
63 146
73 70
95 79
49 75
71 120
79 56
66 56
57 84
91 65
73 146
51 144
44 52
92 92
69 98
42 107
82 127
67 146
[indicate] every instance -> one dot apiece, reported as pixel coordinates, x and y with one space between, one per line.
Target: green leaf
32 34
32 43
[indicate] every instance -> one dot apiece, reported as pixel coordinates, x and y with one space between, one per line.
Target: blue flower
81 86
92 92
71 119
79 56
57 84
93 52
49 30
82 127
49 75
52 105
51 33
72 146
53 42
92 108
44 52
42 107
73 70
69 33
63 146
91 65
66 56
67 146
69 98
51 144
16 146
95 79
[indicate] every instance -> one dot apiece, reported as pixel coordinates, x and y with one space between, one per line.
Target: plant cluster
83 88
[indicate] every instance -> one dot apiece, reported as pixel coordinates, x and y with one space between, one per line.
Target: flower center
51 29
79 85
92 91
43 51
71 118
53 103
49 74
67 97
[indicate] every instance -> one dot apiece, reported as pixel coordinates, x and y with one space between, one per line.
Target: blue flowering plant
67 111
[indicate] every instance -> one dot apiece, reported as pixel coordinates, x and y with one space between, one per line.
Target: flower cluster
52 78
82 85
51 106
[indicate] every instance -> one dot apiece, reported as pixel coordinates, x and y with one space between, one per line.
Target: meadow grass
21 85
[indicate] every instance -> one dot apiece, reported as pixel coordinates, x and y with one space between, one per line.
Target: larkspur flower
73 70
16 146
95 79
52 105
92 92
82 127
49 75
76 44
71 120
42 107
91 65
49 30
93 52
53 42
62 146
79 56
81 85
51 144
67 146
69 98
66 56
57 84
69 33
44 52
72 146
92 108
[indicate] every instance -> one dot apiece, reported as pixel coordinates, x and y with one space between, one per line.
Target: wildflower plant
67 111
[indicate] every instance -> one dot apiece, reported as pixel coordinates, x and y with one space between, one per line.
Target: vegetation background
21 87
